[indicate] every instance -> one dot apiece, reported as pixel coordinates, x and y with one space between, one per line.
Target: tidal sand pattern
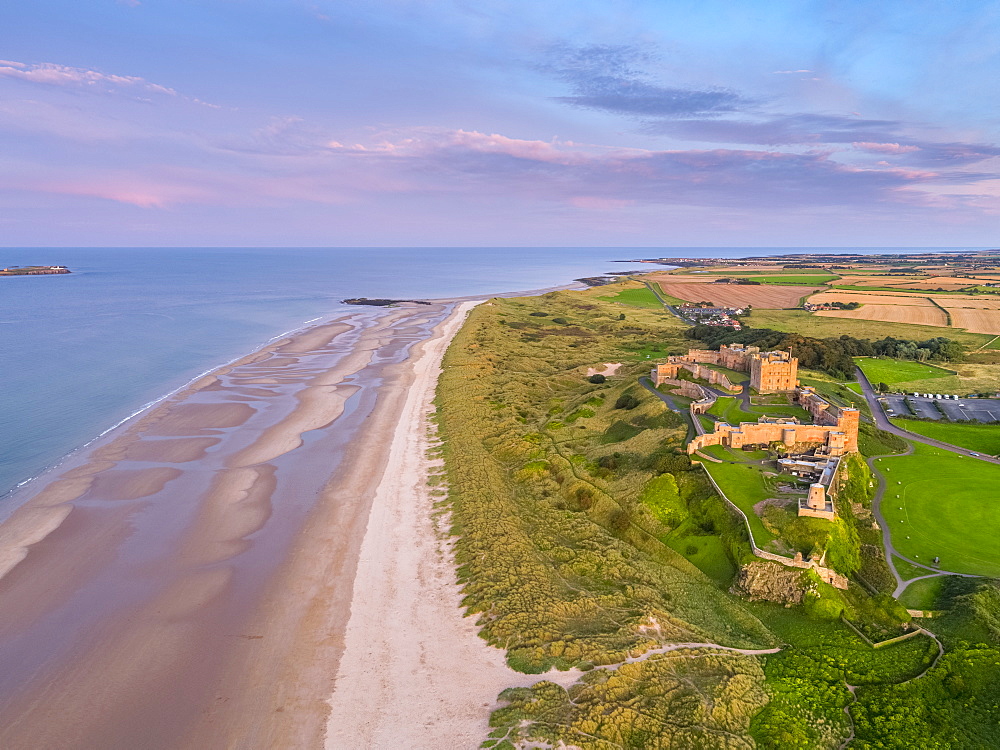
187 581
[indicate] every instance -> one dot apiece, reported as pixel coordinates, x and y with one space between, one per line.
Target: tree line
833 356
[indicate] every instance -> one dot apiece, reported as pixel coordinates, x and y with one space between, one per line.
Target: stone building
770 372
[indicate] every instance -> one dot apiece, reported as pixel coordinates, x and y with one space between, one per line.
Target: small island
32 270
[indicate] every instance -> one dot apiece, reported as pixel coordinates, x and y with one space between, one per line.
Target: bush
626 401
560 321
598 379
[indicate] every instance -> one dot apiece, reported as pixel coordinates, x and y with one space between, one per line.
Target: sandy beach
252 563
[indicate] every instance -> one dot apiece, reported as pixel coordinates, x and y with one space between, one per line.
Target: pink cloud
885 148
52 74
599 204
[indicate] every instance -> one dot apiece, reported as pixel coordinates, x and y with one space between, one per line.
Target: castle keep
770 372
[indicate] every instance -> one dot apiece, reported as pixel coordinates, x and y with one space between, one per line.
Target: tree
598 379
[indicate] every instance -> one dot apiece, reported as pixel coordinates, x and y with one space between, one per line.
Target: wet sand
187 582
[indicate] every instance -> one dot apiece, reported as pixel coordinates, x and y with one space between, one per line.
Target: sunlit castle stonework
814 450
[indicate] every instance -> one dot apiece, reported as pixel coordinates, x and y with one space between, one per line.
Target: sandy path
414 672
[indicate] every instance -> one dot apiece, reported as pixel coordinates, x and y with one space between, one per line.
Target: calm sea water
80 353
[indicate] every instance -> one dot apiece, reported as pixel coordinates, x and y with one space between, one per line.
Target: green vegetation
976 437
821 327
541 492
636 297
923 594
875 442
585 537
707 698
730 409
801 280
667 298
744 485
943 509
907 570
890 371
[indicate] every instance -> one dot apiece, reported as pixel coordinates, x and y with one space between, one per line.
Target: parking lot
980 409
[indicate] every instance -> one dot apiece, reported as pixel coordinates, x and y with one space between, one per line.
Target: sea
83 352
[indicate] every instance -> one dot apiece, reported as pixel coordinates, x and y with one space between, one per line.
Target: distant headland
32 270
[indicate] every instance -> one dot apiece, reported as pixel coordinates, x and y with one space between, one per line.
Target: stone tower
817 497
773 372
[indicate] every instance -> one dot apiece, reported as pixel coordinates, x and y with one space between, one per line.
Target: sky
499 123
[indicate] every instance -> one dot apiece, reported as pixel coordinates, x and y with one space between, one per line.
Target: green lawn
923 594
946 507
636 298
744 486
984 438
908 571
889 371
731 410
733 375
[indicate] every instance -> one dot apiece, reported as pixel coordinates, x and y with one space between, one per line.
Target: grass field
641 297
944 509
807 324
984 438
670 300
923 594
892 371
731 410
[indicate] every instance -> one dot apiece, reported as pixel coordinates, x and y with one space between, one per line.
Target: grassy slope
744 485
975 437
946 509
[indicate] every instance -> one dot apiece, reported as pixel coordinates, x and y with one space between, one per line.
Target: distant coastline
33 270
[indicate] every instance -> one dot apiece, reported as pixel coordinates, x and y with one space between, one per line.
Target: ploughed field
946 507
971 313
733 295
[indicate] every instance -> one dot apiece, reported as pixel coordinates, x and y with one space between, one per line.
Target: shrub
626 401
598 379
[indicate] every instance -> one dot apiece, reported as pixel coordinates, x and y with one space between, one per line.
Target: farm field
734 295
795 280
912 314
870 299
984 438
808 324
975 321
891 371
943 509
638 297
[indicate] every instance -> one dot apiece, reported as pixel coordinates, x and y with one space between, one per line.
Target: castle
770 372
832 434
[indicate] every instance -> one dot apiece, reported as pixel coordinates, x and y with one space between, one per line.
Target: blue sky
499 122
